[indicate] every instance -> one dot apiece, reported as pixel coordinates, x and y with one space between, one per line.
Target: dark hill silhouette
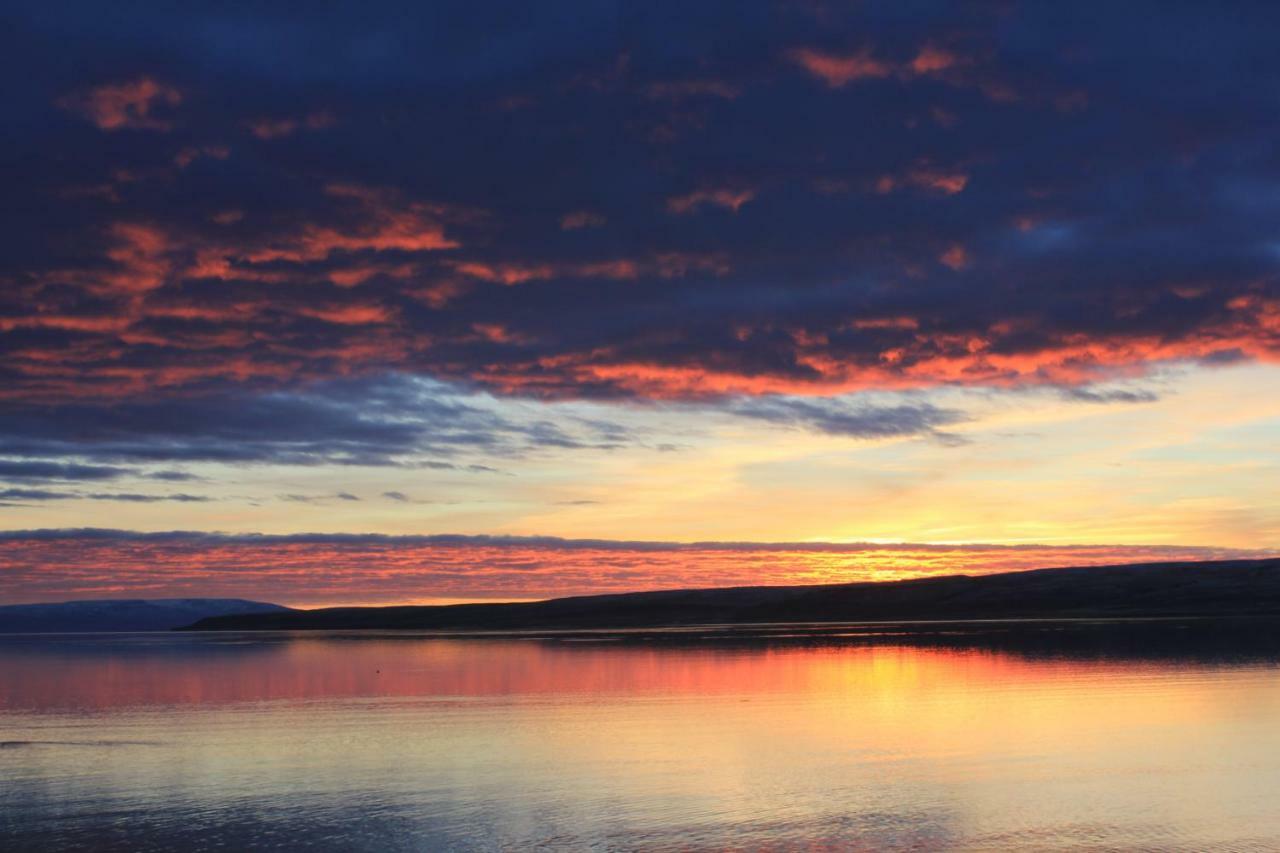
1224 588
156 614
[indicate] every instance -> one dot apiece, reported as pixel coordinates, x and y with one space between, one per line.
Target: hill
1223 588
158 614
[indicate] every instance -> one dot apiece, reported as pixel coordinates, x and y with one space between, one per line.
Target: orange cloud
511 273
504 273
839 70
348 315
581 219
922 358
359 274
932 59
664 264
498 333
131 105
187 156
386 225
945 182
679 264
140 257
956 257
69 322
948 182
730 199
886 323
858 353
276 128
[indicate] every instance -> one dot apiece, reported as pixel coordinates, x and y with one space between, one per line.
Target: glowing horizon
309 570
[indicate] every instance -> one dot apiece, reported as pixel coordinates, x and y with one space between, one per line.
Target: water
977 737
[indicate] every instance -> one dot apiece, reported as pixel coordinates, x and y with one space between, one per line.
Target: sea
1159 735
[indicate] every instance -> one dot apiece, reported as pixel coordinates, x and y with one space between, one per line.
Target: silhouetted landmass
159 614
1226 588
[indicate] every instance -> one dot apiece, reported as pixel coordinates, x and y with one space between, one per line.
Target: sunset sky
385 303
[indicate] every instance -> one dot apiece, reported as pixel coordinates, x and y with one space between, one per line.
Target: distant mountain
1225 588
157 614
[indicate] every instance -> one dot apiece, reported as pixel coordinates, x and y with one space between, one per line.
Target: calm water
971 740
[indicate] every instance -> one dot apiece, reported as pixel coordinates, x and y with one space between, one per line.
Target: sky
405 302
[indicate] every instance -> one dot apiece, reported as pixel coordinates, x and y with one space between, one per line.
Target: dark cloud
851 418
320 499
27 469
374 421
623 200
171 476
436 465
397 496
452 540
126 497
33 495
1087 394
133 497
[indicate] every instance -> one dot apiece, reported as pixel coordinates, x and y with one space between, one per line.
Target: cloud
924 177
32 495
171 476
336 568
460 238
276 128
318 499
851 419
384 223
581 219
28 469
838 70
1087 394
44 470
401 497
385 420
677 90
132 105
956 257
728 198
126 497
133 497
